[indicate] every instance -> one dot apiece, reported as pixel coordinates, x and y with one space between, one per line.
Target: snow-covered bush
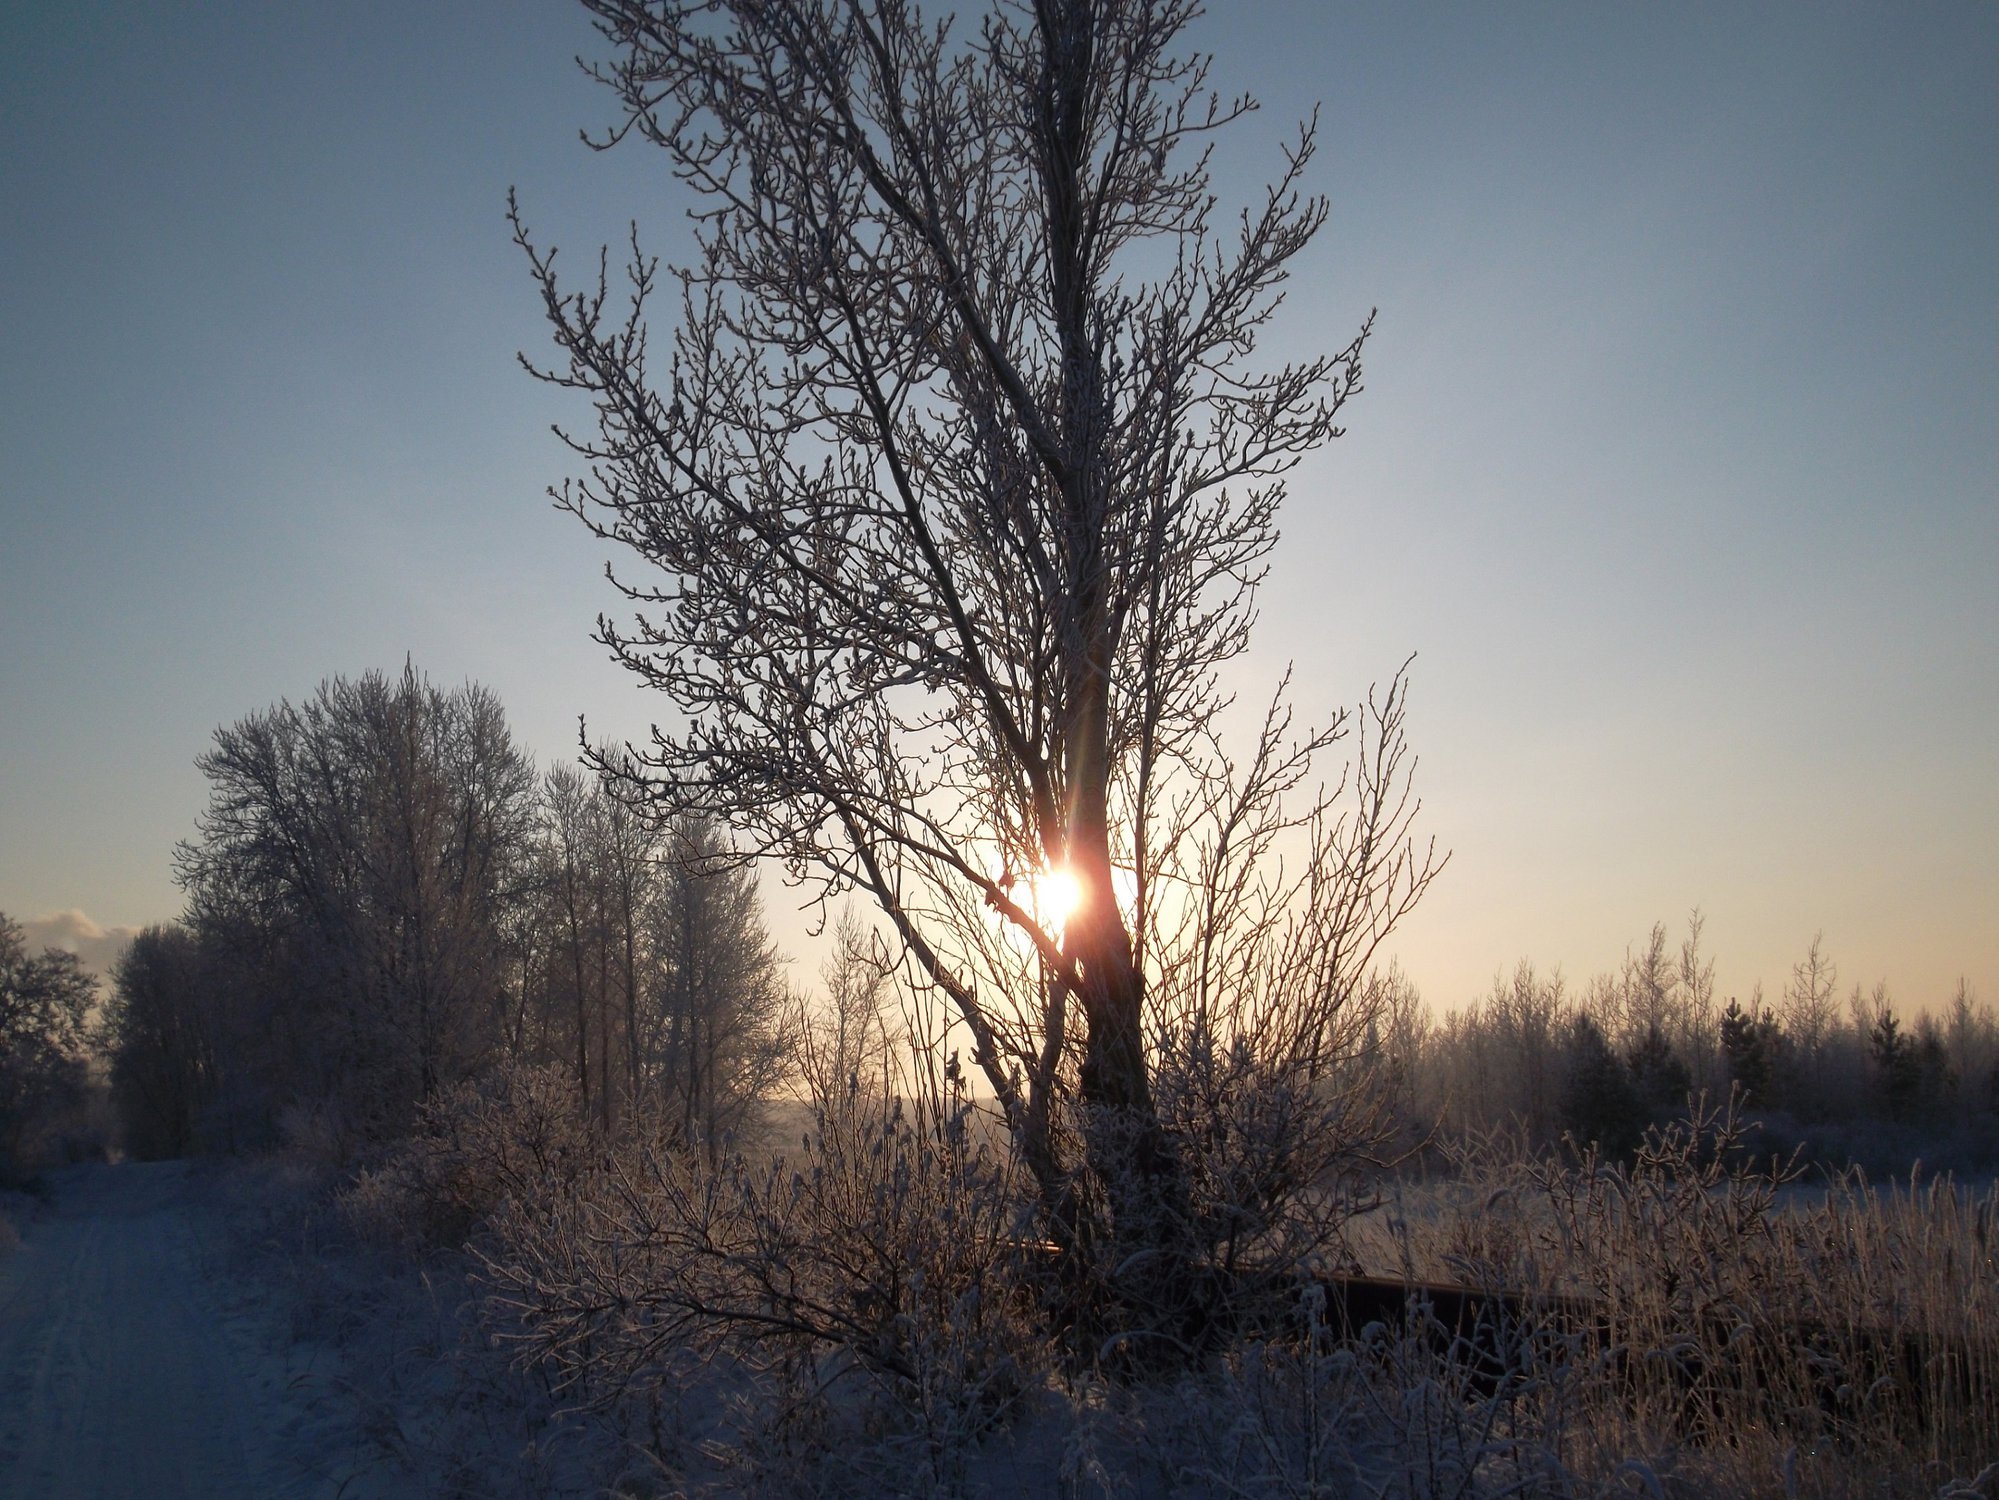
878 1251
512 1137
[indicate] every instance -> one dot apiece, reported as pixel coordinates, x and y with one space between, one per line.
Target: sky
1677 467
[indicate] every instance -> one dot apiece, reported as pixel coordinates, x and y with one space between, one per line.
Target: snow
132 1362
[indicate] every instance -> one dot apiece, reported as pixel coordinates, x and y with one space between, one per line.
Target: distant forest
1841 1075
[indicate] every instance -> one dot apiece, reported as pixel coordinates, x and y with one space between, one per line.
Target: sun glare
1056 895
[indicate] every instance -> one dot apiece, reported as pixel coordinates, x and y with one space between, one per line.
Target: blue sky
1675 466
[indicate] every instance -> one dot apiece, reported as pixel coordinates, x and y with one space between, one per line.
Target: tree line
386 899
1842 1071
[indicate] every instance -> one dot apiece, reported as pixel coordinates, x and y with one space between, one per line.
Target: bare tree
353 869
630 852
159 1034
1811 1018
44 1001
721 1040
655 983
954 487
575 886
851 1048
1699 1027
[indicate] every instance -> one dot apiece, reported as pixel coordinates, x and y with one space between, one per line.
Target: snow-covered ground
134 1363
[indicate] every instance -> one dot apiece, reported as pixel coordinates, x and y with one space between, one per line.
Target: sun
1057 894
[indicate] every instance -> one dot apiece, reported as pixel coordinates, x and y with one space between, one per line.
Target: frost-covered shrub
876 1255
869 1237
512 1137
1276 1157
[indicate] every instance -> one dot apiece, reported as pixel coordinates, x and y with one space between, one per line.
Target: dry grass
1745 1339
853 1322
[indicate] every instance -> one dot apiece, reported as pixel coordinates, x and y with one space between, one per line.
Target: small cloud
74 932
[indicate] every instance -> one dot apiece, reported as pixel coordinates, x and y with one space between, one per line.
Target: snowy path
120 1371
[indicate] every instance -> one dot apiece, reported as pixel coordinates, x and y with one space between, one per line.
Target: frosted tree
45 1000
721 1035
355 867
160 1041
951 488
1811 1017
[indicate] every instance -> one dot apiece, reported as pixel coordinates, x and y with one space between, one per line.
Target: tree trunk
1143 1180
